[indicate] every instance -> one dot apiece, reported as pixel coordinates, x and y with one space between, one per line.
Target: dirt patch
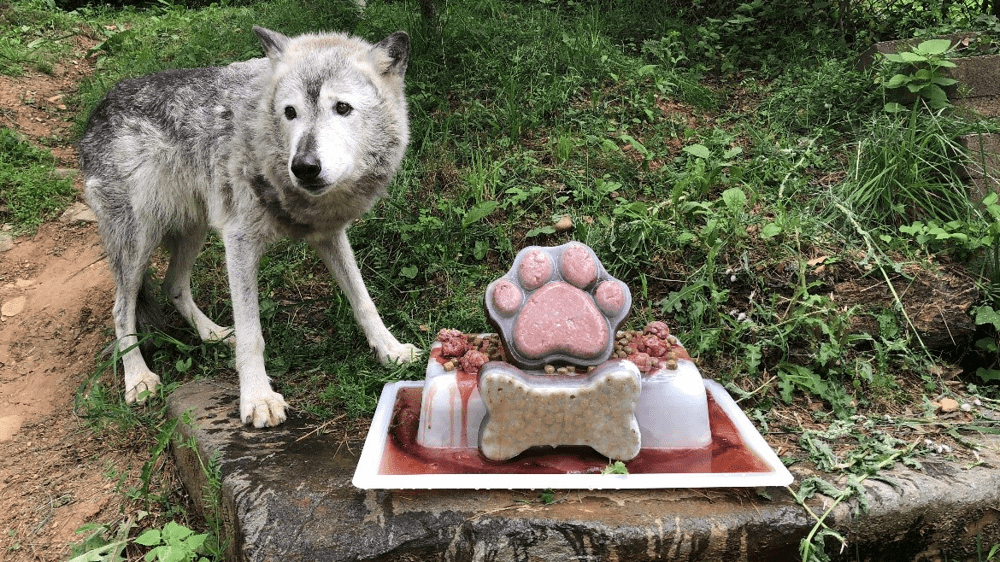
55 301
937 303
55 298
38 105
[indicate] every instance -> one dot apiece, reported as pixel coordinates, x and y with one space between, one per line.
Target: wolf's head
337 105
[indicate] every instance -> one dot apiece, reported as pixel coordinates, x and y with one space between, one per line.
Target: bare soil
55 302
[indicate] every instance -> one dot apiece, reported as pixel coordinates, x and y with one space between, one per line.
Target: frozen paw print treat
557 305
557 311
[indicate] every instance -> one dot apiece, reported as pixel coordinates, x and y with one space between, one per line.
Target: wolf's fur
299 143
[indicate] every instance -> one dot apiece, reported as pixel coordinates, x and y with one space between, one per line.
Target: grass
710 162
30 191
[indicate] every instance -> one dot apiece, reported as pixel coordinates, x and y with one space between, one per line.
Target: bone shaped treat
596 410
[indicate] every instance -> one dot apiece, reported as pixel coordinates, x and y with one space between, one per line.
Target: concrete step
982 174
286 494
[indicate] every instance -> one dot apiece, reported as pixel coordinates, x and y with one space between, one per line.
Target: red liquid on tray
403 455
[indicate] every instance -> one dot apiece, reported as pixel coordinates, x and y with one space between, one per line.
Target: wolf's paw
399 353
137 385
209 331
220 334
266 409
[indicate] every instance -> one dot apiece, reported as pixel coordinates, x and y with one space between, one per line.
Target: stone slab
286 494
867 58
983 171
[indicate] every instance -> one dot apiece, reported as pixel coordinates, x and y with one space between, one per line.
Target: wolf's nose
306 167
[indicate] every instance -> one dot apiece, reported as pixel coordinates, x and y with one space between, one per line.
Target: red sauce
727 452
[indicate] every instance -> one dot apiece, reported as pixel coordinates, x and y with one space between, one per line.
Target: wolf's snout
306 167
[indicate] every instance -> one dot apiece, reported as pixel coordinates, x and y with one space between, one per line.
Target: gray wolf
298 143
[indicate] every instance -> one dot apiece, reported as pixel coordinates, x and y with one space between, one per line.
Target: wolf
298 143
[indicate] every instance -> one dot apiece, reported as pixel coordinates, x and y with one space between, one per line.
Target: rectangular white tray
367 476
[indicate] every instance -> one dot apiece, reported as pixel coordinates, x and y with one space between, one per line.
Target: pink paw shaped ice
557 305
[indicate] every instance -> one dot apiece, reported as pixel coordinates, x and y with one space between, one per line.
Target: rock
287 494
6 241
564 224
13 307
947 405
79 212
9 426
64 173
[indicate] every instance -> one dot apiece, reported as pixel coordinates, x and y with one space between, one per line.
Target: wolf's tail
148 313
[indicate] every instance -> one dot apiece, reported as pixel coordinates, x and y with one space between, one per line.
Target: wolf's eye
289 112
343 108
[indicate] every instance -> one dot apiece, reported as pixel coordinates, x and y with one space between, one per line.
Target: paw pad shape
557 304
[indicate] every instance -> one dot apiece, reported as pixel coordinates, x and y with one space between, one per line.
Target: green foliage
102 544
547 496
174 543
927 79
30 192
616 467
34 36
993 554
525 112
904 169
873 455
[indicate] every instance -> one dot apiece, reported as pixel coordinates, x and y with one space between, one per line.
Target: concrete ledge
287 495
983 169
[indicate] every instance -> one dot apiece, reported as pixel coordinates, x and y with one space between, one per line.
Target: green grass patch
30 191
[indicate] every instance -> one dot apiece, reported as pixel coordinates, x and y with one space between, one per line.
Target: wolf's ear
392 53
274 43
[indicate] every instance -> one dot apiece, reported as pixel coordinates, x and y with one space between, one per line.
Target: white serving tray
367 475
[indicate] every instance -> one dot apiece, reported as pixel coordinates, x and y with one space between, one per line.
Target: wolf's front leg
336 253
259 405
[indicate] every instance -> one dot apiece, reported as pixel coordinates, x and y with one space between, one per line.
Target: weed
104 543
173 543
616 467
904 169
874 455
927 79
